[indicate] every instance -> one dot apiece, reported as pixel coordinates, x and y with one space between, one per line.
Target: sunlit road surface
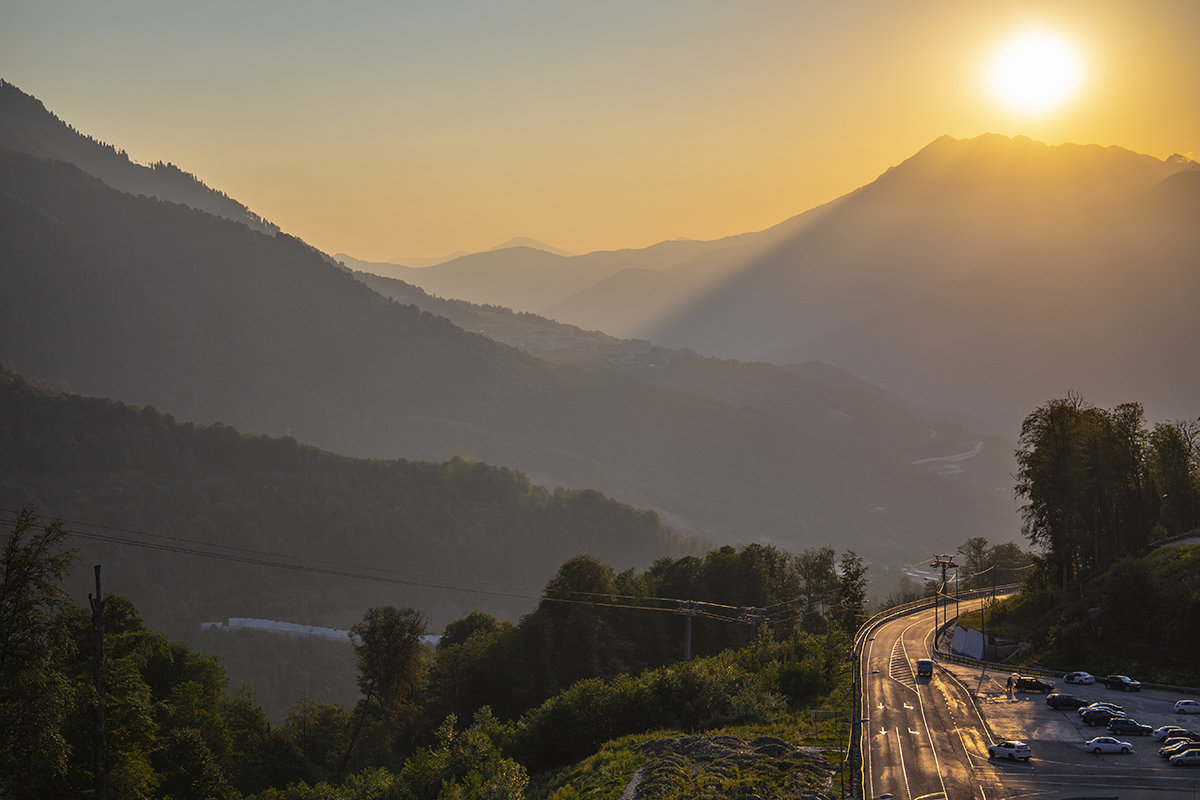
928 739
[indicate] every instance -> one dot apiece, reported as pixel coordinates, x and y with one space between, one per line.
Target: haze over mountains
980 275
150 302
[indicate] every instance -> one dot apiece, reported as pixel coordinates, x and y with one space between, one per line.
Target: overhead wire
193 547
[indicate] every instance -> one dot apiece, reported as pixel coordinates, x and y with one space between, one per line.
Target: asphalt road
926 739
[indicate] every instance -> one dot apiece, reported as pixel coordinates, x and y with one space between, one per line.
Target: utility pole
689 610
945 562
97 603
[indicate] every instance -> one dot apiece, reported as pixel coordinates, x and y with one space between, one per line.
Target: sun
1035 72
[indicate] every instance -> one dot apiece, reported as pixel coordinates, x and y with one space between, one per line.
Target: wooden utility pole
689 610
97 602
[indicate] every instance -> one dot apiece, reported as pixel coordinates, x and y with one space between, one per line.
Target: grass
792 756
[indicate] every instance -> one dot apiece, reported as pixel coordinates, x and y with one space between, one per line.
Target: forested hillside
814 399
405 528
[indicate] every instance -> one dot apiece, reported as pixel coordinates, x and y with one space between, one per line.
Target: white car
1185 758
1165 731
1010 750
1187 706
1107 744
1079 677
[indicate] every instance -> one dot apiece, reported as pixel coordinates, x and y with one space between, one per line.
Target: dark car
1126 725
1176 749
1060 700
1098 716
1025 683
1122 682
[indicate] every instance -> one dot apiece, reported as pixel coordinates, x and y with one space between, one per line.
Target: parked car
1185 758
1098 716
1113 707
1177 748
1059 700
1107 744
1122 682
1025 683
1011 750
1085 678
1126 726
1187 706
1166 731
1171 741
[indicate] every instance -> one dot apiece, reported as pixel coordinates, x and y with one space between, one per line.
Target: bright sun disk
1035 72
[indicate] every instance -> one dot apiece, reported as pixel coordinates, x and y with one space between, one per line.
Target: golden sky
402 129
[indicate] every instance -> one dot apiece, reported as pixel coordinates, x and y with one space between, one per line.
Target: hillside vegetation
568 675
185 519
1137 618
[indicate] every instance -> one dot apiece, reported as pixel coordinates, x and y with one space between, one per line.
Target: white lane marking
937 762
903 769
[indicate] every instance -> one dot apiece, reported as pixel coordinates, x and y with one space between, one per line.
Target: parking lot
1060 765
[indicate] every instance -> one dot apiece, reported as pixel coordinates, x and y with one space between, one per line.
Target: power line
263 558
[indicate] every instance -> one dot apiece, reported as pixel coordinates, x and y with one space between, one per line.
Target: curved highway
921 738
927 738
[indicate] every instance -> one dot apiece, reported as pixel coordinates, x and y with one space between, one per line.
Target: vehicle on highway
1122 682
1177 748
1187 706
924 668
1060 700
1084 678
1126 726
1025 683
1011 750
1107 744
1167 731
1185 758
1098 716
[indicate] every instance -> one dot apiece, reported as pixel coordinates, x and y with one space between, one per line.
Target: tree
850 601
818 578
35 694
975 561
391 666
387 644
467 765
1051 476
1176 474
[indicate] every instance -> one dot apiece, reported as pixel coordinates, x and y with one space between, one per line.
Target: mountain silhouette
910 282
153 303
27 127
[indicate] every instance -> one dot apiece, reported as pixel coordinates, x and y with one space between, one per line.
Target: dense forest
94 704
1109 503
1099 486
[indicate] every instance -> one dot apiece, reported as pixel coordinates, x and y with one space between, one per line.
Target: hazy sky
392 129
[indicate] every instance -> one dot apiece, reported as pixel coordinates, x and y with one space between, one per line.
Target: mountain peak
533 244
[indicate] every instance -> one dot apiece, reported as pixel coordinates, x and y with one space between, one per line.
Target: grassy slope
791 756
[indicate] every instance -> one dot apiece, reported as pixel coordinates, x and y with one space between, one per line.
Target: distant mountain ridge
887 280
27 127
156 304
